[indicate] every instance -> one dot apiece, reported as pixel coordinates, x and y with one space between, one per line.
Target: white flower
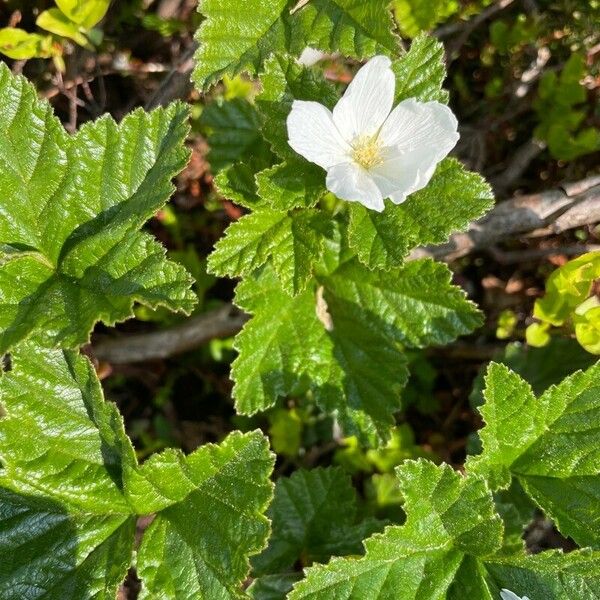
508 595
371 152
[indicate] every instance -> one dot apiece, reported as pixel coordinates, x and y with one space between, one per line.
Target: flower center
366 151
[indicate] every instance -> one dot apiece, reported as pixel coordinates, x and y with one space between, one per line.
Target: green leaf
283 81
415 16
346 338
86 13
374 314
292 184
212 504
292 242
550 444
71 490
21 45
572 576
418 301
235 37
48 551
70 250
277 346
55 21
235 133
420 73
449 517
540 367
67 528
453 199
238 182
358 29
314 516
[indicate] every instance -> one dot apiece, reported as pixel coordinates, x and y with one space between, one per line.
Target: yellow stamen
367 152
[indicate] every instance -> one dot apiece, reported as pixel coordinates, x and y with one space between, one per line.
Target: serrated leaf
292 184
449 517
63 454
417 300
348 343
314 516
291 242
283 81
235 133
238 36
47 551
72 254
420 73
277 346
211 520
572 576
237 183
550 444
71 490
453 199
358 29
540 367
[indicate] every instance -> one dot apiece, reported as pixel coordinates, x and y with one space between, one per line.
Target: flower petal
351 182
367 101
417 136
312 134
414 124
403 174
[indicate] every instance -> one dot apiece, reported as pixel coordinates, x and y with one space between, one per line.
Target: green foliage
71 490
561 115
453 198
290 241
449 547
238 36
73 19
313 516
415 16
506 36
540 367
338 309
234 128
333 304
420 73
20 45
71 250
550 444
400 447
86 14
344 335
571 301
450 520
64 453
226 489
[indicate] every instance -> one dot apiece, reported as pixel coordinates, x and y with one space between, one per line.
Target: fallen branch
571 205
554 211
195 331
